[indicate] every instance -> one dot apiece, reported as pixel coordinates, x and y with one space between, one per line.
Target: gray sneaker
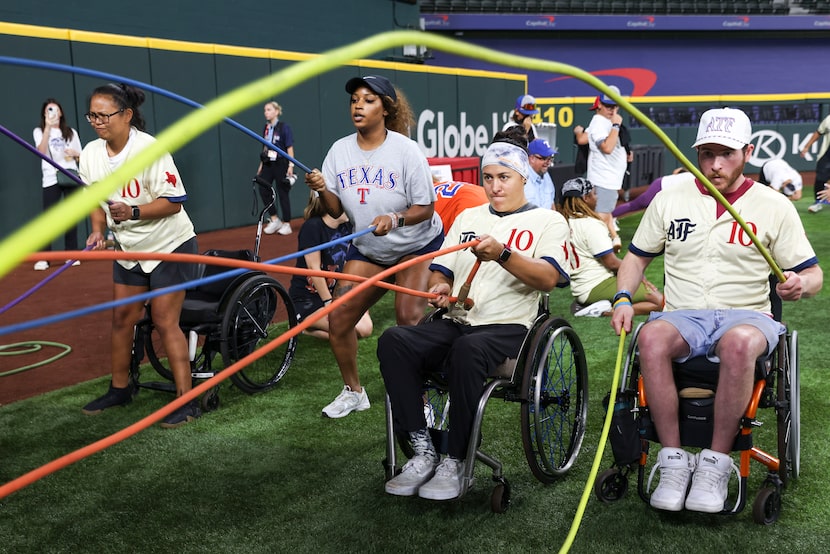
347 402
446 484
415 473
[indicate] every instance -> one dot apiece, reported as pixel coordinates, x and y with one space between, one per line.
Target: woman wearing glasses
145 214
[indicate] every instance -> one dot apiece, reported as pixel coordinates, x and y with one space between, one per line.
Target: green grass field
266 473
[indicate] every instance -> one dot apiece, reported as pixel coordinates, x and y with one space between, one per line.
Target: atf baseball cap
526 104
607 100
540 147
576 187
376 83
728 127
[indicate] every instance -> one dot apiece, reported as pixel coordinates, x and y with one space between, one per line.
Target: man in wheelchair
717 300
521 253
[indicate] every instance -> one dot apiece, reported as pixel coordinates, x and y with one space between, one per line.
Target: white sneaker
415 473
347 402
710 483
272 226
74 262
676 467
595 310
817 207
446 484
42 265
285 229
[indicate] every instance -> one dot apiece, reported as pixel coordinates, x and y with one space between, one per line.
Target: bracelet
622 293
327 302
394 217
622 302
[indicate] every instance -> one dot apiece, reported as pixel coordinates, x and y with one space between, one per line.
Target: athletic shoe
285 229
113 397
710 482
817 207
347 402
415 473
185 414
676 467
273 226
446 484
74 262
594 310
42 265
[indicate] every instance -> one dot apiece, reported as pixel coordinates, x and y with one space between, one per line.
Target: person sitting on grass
593 261
522 252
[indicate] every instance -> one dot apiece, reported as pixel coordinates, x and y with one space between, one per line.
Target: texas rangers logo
171 178
680 229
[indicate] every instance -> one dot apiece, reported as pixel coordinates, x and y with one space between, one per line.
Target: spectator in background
592 259
642 201
608 160
274 167
539 189
581 143
56 139
523 116
782 177
312 294
379 177
453 197
823 163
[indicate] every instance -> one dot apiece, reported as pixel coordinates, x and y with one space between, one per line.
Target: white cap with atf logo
728 127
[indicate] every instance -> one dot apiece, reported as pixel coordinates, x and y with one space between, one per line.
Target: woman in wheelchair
521 251
721 311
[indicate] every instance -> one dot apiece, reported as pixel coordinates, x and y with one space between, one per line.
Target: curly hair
399 114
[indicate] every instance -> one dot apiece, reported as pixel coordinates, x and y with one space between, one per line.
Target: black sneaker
185 414
113 397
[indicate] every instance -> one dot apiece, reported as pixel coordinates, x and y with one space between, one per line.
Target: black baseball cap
376 83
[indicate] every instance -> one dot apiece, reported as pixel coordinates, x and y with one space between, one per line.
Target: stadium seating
624 7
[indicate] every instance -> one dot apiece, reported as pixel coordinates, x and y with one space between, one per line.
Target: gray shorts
702 329
606 200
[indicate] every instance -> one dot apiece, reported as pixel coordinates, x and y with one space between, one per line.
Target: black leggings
51 196
271 172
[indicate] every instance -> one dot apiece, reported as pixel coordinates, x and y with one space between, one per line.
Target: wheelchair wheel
767 506
610 485
789 409
247 313
554 415
155 349
500 497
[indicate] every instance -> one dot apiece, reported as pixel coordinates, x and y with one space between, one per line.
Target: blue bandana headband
507 155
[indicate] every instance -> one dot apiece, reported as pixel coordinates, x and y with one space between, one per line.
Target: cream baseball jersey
590 241
710 261
499 296
161 179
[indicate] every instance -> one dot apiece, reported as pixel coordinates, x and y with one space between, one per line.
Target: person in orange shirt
453 197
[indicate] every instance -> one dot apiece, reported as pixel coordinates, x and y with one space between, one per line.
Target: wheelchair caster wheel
210 400
500 497
611 485
767 506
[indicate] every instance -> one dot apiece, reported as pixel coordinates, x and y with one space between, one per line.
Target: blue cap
607 100
541 147
526 104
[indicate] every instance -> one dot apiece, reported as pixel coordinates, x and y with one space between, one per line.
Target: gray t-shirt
390 178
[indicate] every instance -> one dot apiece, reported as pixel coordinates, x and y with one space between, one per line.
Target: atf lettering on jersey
364 175
680 229
722 124
467 236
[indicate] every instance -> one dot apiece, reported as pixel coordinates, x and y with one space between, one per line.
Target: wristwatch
136 212
401 220
505 254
